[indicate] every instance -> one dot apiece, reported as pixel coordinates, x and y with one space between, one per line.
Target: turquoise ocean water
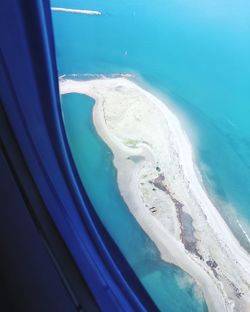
196 52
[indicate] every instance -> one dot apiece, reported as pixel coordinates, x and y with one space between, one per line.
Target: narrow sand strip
95 76
158 180
86 12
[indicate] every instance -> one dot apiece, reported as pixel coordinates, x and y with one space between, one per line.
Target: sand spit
94 76
158 181
86 12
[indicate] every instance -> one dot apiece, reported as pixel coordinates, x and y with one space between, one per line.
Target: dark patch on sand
136 158
186 221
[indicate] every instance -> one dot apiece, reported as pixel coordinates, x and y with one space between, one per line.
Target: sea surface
198 54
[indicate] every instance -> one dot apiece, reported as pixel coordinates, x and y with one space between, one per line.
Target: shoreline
141 125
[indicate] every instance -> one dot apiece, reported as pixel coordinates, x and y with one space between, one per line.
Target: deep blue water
196 52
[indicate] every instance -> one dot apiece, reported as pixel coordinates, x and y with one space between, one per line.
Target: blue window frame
30 100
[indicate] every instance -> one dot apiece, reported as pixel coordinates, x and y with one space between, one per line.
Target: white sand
147 140
86 12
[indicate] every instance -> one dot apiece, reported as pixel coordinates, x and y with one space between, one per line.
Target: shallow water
196 52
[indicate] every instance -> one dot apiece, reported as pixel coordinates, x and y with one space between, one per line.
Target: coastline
140 126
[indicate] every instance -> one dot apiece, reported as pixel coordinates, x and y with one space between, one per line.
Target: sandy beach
160 185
